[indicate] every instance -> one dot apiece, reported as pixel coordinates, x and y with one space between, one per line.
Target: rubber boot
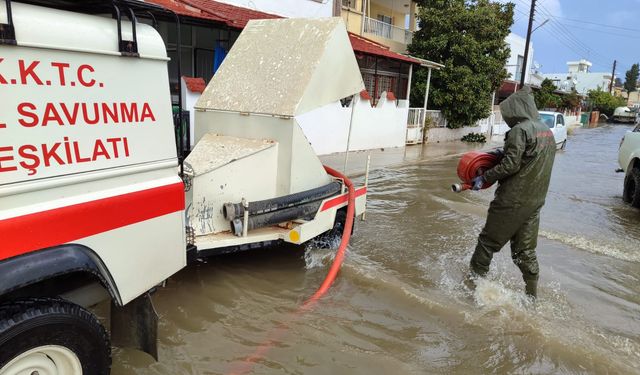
531 288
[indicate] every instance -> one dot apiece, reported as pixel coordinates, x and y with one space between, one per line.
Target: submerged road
399 307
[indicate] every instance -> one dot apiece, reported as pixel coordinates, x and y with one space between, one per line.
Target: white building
580 77
288 8
516 59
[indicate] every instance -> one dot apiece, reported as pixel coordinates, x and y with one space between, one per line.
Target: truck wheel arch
39 266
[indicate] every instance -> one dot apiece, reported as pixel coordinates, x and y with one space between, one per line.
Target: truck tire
51 336
631 192
334 235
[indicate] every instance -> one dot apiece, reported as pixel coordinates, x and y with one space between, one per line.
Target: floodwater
398 305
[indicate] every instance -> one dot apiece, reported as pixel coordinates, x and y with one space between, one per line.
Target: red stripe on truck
23 234
333 202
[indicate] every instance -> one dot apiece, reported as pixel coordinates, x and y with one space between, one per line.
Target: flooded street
398 305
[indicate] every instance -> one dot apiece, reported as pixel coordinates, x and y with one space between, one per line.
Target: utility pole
613 73
526 46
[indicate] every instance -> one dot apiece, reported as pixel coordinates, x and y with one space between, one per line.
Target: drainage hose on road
247 364
473 164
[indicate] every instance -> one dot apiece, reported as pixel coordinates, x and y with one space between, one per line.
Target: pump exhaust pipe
305 211
231 211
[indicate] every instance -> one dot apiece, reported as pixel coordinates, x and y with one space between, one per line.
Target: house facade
579 77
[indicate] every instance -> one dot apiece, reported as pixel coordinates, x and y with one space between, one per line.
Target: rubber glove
497 152
477 183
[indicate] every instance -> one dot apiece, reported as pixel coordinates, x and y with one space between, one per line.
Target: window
351 4
547 119
385 19
560 120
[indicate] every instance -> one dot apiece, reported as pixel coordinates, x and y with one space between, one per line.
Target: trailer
100 195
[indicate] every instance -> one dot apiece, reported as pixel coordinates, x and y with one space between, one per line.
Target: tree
571 100
605 102
546 97
468 37
631 78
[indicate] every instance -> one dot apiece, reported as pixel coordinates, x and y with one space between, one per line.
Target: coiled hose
473 164
247 364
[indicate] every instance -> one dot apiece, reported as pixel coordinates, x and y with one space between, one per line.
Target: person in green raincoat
523 176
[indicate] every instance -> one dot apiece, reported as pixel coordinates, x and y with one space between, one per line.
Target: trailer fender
29 269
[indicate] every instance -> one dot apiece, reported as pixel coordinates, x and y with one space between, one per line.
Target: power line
598 24
571 38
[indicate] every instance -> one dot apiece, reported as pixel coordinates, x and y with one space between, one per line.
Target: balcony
387 31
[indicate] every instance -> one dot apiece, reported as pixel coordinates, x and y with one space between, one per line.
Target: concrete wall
189 99
288 8
438 135
383 126
516 44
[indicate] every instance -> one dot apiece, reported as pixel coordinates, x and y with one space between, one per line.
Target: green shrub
474 138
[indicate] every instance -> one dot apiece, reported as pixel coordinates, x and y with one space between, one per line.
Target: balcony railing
387 31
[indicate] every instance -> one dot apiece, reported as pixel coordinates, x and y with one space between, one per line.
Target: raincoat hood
519 107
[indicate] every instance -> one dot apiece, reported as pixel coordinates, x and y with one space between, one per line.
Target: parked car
555 122
624 114
629 160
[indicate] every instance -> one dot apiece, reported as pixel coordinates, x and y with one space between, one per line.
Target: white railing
415 126
416 117
387 31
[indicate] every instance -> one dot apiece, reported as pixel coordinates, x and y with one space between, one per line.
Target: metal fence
387 30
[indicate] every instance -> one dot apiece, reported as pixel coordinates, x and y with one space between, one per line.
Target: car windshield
547 119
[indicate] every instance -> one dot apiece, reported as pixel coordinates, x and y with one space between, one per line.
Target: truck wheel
47 336
326 239
631 192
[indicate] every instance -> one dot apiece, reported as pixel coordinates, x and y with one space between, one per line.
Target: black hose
304 211
232 211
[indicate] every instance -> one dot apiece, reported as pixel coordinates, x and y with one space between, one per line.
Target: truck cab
98 197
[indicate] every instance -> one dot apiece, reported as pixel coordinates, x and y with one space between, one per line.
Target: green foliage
605 102
631 78
571 100
546 97
468 38
474 138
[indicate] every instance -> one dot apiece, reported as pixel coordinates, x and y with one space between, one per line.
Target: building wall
383 126
289 8
352 16
376 9
581 82
517 44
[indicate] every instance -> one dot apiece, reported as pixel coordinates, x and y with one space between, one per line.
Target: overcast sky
575 30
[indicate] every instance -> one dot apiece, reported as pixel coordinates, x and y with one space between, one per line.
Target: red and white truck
95 201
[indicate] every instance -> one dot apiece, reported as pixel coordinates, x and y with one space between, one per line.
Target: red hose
474 164
247 364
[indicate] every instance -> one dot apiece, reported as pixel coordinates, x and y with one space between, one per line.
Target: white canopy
285 67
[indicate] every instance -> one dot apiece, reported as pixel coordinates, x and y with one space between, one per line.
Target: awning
369 47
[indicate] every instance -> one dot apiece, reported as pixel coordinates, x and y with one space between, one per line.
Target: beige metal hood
285 67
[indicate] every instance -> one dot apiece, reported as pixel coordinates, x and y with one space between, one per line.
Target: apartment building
388 22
